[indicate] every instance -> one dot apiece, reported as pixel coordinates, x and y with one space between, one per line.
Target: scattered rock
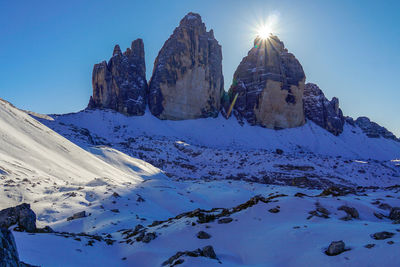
203 235
390 242
225 220
382 235
274 210
148 237
335 248
394 213
206 251
369 246
337 191
384 206
379 215
22 215
351 212
77 215
279 151
115 210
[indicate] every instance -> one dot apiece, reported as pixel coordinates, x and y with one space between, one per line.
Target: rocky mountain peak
121 83
269 82
192 20
187 80
117 50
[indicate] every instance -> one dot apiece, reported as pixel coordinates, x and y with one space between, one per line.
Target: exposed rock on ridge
270 84
372 129
187 80
320 110
121 83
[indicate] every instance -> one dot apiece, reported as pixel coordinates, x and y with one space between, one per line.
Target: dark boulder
22 215
335 248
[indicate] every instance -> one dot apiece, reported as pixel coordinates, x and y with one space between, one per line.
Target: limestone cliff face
270 84
187 80
320 110
121 83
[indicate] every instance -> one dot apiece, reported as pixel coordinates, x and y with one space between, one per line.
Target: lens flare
267 27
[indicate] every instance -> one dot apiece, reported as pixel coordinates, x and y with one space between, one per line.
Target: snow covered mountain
151 219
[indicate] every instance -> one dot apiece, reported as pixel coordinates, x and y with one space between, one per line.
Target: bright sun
264 31
267 27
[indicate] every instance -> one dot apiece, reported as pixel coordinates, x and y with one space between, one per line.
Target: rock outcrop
372 129
8 251
270 84
21 215
187 80
321 111
121 83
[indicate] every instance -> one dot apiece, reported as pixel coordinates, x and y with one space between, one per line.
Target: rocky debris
369 246
336 191
319 212
275 210
78 215
225 220
139 234
121 83
45 230
379 215
279 151
395 213
371 129
335 248
321 111
187 80
385 206
206 216
269 82
203 235
290 167
351 213
382 235
207 251
22 215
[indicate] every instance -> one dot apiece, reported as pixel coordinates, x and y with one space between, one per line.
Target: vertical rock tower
270 85
187 80
121 83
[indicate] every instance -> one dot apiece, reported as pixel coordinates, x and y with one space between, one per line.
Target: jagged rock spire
121 83
187 80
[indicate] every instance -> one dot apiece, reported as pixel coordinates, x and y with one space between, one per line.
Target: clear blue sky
349 48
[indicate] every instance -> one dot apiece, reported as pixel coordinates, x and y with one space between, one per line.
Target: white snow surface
59 177
221 133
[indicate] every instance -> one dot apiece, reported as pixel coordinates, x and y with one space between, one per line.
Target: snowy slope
39 166
222 133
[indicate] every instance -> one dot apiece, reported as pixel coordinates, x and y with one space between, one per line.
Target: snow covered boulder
187 80
22 215
121 83
269 82
321 111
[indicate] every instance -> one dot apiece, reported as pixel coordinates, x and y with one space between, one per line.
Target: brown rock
270 83
187 80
